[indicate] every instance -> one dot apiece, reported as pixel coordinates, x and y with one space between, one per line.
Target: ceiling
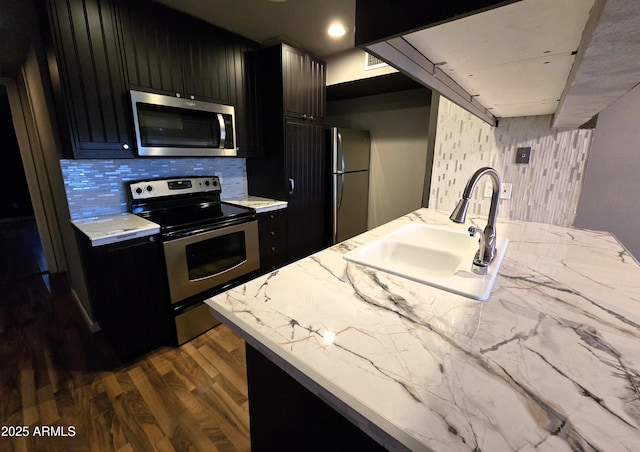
515 59
570 58
299 22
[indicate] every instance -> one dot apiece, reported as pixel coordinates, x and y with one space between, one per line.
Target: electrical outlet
506 190
488 190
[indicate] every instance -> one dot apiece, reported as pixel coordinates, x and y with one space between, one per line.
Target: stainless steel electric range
209 245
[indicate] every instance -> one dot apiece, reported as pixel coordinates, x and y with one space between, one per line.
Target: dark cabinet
306 193
88 78
129 294
304 84
293 166
272 229
152 52
174 54
246 95
100 49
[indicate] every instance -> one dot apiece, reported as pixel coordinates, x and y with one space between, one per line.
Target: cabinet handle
273 233
192 97
271 216
311 118
304 116
178 95
125 146
292 185
273 248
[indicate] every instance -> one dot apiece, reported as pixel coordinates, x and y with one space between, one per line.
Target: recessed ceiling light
337 30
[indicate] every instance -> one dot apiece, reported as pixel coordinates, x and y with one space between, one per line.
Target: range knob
149 188
215 182
139 191
207 183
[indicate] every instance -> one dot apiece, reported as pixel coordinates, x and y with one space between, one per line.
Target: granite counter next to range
259 204
550 361
107 229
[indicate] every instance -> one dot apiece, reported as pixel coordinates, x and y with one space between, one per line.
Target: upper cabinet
88 78
174 54
104 48
303 82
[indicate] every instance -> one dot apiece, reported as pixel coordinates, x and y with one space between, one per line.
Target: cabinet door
88 78
129 294
152 49
304 84
205 61
295 81
306 179
246 95
316 89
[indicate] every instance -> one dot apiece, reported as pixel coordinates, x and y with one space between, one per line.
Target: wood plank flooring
67 387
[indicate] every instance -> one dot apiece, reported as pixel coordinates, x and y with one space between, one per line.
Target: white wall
610 199
349 66
546 190
398 123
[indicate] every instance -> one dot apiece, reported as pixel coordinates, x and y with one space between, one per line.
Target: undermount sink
432 255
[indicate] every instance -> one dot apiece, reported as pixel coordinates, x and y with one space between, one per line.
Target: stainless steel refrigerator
350 156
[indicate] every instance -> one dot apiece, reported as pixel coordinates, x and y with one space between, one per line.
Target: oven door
203 261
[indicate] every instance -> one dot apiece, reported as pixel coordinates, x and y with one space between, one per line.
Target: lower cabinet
272 230
129 293
285 415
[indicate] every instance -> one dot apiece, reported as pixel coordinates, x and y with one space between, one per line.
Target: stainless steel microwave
169 126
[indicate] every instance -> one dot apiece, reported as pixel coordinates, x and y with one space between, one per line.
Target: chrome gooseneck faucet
487 249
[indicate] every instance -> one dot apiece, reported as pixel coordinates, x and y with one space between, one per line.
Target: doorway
19 237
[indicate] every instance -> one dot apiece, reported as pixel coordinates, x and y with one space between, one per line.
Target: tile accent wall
97 187
546 190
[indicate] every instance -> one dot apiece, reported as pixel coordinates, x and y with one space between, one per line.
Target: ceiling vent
372 62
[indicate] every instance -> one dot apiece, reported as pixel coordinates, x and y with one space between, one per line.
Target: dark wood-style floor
64 389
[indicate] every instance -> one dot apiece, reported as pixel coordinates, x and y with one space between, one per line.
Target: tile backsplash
546 190
97 187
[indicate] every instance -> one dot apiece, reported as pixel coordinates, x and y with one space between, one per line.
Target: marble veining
259 204
551 361
106 229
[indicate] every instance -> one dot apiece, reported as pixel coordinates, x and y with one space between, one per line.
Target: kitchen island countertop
550 361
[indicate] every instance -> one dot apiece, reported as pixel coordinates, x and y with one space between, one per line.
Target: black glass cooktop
197 216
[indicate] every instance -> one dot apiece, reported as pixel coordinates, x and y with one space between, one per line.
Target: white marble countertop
259 204
550 362
107 229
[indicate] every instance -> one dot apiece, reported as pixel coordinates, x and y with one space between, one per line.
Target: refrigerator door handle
292 185
338 193
341 152
341 191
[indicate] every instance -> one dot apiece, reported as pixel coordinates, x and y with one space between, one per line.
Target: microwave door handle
223 131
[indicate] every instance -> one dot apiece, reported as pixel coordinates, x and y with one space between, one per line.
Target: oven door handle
292 185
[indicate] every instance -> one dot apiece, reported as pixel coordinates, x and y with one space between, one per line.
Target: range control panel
159 188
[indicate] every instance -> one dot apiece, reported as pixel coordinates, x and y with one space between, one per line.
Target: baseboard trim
94 327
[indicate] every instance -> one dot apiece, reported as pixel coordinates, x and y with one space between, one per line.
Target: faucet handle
478 267
473 230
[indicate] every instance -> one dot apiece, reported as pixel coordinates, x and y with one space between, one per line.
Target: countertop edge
327 391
